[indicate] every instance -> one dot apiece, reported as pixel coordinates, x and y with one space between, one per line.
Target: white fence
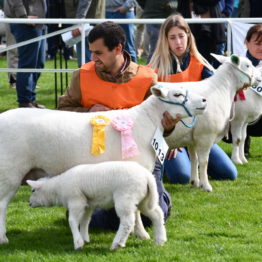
81 22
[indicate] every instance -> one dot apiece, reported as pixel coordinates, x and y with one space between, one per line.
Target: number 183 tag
159 145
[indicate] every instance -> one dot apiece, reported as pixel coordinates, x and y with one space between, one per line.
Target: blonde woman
176 59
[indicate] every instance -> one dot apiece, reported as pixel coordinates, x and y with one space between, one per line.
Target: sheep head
39 196
180 100
247 73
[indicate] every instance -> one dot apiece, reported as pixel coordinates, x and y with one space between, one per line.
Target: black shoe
38 106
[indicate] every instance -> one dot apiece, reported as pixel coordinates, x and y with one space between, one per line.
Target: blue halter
183 104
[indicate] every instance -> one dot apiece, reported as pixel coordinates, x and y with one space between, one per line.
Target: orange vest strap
192 73
94 90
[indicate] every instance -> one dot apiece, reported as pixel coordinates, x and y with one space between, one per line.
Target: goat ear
235 59
33 184
220 58
159 90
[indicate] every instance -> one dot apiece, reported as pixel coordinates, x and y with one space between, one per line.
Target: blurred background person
30 55
124 9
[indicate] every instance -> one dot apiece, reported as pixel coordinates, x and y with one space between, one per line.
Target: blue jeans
220 166
79 53
129 29
108 218
152 32
29 56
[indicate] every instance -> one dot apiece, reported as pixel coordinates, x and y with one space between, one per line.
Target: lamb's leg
157 217
236 129
194 179
139 229
76 213
126 213
242 144
84 224
203 156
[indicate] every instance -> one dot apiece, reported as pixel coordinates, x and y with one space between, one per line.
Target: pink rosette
124 125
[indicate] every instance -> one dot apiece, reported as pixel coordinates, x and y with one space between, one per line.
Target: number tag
159 145
257 89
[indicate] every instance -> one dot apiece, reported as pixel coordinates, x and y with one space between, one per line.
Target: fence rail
81 22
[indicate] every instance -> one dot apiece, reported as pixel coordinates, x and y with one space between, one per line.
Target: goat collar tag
98 139
124 124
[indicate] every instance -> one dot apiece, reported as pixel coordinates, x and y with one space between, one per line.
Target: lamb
220 89
55 141
125 185
246 111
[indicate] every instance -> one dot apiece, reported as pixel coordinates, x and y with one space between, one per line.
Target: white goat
246 111
125 185
220 89
55 141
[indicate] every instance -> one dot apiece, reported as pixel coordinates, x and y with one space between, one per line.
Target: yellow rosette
98 139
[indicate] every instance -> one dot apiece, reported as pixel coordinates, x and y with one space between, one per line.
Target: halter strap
183 104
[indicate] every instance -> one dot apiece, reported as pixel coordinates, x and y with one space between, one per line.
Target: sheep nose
204 100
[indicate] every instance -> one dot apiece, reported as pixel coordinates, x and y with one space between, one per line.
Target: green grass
224 225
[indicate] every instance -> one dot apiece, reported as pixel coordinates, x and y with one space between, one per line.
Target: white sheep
220 89
245 112
55 141
125 185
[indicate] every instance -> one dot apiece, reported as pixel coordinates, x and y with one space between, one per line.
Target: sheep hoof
237 161
160 242
116 246
79 244
194 183
207 188
4 240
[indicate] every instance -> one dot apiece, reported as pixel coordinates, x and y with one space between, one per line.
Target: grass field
225 225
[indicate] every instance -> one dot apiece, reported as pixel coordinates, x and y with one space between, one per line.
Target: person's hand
172 153
76 32
98 107
32 17
121 10
169 123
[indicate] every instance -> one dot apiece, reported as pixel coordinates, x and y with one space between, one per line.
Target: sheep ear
220 58
33 184
235 59
159 90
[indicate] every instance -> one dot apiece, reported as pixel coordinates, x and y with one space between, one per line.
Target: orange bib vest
192 73
94 90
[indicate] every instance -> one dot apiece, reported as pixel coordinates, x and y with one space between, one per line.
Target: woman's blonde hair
162 57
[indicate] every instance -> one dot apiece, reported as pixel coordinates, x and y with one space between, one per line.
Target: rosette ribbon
98 140
124 125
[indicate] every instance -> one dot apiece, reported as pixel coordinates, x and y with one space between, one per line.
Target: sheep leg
139 229
84 224
76 213
242 144
203 156
236 130
194 179
157 218
127 223
6 194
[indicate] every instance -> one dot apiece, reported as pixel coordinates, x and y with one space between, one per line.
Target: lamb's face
179 100
38 196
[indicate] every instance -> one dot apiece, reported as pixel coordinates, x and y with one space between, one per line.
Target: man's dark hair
112 33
